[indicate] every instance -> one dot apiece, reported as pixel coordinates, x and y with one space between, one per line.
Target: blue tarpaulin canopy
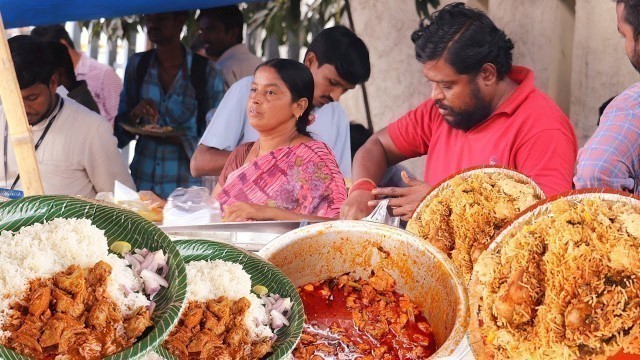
19 13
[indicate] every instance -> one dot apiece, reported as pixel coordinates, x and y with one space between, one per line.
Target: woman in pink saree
285 174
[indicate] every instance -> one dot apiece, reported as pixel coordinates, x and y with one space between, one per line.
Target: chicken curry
215 329
363 319
71 315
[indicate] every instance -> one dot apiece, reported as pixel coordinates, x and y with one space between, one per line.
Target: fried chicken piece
66 304
202 339
218 353
237 337
376 329
576 315
40 300
382 281
60 330
103 315
99 273
25 339
515 305
240 306
212 323
221 308
194 315
71 280
138 323
178 341
260 349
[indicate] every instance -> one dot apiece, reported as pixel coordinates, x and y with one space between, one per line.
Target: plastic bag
382 215
145 203
192 206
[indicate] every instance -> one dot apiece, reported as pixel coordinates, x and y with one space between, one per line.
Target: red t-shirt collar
525 80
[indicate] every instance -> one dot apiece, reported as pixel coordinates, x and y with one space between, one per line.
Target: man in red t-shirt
482 111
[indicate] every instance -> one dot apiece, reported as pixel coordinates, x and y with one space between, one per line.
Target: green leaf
262 273
118 225
422 7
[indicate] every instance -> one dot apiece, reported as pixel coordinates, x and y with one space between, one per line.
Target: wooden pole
19 128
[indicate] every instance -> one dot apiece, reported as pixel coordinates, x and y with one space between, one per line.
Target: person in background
284 174
197 47
221 32
161 87
611 157
338 60
103 82
482 111
75 89
75 148
393 176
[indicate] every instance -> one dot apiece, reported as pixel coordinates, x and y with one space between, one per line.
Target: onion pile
279 309
151 267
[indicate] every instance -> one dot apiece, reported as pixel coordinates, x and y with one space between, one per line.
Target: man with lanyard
338 60
75 147
164 94
482 111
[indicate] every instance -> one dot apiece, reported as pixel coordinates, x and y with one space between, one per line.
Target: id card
11 194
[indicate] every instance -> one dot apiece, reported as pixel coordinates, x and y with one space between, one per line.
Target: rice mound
209 280
468 210
563 284
41 250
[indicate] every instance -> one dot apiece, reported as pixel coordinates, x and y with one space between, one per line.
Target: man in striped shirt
611 158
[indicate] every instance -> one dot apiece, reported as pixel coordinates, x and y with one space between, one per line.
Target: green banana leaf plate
118 224
262 273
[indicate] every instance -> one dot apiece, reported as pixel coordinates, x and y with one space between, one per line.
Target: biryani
223 319
63 295
463 215
563 283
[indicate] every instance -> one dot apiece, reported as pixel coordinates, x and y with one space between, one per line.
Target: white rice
152 355
41 250
207 280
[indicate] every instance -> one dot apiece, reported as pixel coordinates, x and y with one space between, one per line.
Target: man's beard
466 119
52 105
635 60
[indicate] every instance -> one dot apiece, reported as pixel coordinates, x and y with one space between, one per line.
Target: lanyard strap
44 133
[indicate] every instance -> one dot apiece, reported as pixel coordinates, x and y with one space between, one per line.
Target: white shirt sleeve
332 127
102 160
227 126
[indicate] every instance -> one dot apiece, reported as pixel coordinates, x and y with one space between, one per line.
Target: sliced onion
284 308
135 264
152 306
278 320
152 282
165 269
276 306
143 252
126 289
146 265
147 262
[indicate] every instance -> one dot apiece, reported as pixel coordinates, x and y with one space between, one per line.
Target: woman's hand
242 211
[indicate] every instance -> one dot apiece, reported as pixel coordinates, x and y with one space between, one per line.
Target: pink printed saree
303 178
